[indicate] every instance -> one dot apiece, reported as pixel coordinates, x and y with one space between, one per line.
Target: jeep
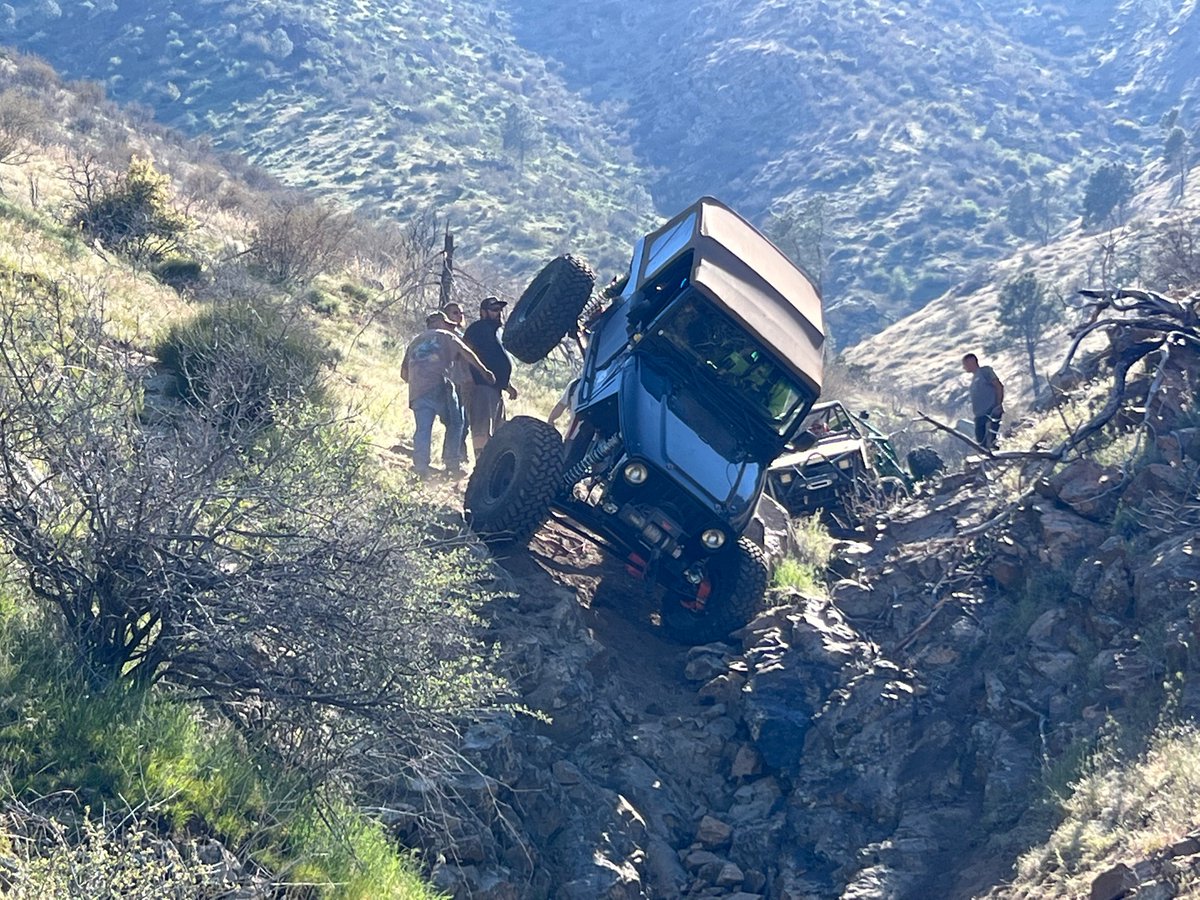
846 466
699 368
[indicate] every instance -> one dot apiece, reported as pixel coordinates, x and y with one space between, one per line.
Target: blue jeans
437 405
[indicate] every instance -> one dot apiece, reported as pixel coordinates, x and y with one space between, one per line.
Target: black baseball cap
493 303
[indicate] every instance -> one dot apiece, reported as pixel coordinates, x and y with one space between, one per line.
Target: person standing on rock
427 365
487 398
987 401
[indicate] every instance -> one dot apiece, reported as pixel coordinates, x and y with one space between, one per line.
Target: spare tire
923 462
549 309
514 481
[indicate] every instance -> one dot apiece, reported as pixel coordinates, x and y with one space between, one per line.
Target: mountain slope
921 353
404 107
913 122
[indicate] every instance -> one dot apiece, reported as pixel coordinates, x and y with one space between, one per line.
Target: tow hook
694 575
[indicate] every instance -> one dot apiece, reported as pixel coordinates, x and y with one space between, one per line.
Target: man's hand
488 376
511 391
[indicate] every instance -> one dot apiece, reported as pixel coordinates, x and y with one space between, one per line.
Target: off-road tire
739 581
515 479
923 462
549 309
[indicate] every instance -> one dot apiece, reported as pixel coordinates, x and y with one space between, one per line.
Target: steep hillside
913 123
886 145
920 355
402 107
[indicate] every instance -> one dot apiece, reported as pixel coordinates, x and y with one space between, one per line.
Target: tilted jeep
696 375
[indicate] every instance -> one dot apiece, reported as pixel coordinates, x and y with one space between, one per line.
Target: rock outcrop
884 741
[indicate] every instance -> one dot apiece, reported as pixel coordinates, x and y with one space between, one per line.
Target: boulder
1088 488
1171 573
1064 535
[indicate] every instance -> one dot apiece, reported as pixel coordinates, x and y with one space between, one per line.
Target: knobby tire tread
549 309
527 505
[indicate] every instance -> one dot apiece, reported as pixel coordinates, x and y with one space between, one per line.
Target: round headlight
636 473
713 539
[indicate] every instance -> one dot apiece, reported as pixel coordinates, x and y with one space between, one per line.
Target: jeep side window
654 296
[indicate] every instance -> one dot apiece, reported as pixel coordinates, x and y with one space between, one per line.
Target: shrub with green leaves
244 362
131 213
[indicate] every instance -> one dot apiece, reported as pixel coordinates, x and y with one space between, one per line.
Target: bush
243 362
130 213
323 302
179 272
296 241
21 124
278 573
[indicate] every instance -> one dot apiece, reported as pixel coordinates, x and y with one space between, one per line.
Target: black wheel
549 309
726 600
515 479
923 462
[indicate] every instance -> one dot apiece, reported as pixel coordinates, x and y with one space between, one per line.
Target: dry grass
1121 811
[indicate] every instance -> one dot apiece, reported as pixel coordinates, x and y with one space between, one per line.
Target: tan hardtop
748 277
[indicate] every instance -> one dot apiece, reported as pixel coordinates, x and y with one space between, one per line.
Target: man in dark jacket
486 410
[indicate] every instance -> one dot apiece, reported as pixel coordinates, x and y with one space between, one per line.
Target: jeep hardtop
700 366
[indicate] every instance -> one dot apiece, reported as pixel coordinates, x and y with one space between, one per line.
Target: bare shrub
297 240
119 856
1175 256
273 572
21 125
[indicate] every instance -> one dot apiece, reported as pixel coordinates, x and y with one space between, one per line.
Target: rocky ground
891 740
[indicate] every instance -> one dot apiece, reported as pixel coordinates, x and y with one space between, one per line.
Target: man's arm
999 389
469 355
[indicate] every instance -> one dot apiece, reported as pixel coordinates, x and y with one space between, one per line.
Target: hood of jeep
825 451
666 422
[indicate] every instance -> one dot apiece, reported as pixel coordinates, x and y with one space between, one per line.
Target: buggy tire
514 481
923 462
738 578
549 309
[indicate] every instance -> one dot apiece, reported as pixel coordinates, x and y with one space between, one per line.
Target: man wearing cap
431 395
486 410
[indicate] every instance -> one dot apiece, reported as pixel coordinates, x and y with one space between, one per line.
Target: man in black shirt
486 410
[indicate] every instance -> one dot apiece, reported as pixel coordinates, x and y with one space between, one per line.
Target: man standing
460 375
987 401
426 367
487 403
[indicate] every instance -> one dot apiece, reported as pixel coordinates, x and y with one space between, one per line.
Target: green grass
805 570
179 767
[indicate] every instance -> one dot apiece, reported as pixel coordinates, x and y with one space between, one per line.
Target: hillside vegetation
921 353
894 148
229 620
403 108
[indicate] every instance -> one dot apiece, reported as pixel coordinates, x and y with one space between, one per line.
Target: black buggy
696 376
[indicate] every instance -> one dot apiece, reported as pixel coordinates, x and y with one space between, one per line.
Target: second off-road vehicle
700 366
845 467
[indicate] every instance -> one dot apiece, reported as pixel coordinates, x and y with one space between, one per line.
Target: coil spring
593 456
